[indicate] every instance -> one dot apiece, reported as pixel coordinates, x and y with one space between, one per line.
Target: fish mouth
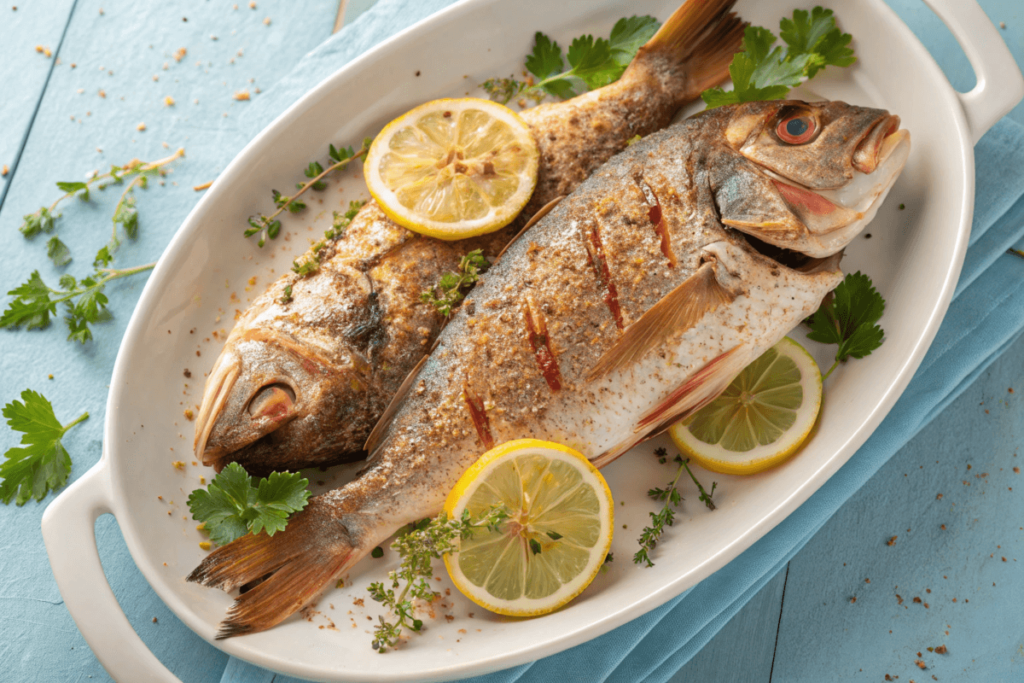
834 217
215 396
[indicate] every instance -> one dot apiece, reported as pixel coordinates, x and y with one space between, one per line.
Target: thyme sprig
670 495
453 286
35 301
309 262
125 214
269 227
419 547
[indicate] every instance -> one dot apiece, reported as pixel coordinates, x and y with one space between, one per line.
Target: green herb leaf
35 223
546 58
535 546
31 307
72 187
629 35
450 290
765 72
231 506
127 216
58 252
849 319
43 464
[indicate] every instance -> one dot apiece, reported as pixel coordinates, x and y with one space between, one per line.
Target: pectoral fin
677 312
697 391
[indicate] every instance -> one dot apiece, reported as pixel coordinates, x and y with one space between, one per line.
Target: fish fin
678 311
697 391
299 562
373 442
541 212
702 36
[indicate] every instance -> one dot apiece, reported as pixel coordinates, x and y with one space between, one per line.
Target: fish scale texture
40 641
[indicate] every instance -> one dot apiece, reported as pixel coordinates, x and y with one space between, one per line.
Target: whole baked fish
301 382
633 303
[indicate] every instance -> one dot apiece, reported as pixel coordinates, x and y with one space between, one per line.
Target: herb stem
705 497
111 274
81 418
834 366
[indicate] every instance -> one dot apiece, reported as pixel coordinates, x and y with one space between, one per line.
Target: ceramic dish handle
1000 84
70 536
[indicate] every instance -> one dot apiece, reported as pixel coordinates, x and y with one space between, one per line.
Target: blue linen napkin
985 318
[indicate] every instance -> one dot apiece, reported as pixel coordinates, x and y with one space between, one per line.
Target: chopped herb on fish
342 220
269 227
43 464
849 319
593 62
230 506
418 549
451 289
813 41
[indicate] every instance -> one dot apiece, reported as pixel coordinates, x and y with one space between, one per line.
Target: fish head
807 176
262 384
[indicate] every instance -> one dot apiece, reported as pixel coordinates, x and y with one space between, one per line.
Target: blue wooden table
87 83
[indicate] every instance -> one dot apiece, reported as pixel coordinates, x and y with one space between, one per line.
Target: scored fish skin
301 383
629 306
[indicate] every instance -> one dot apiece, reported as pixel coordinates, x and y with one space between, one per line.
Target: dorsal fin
541 212
373 441
678 311
694 393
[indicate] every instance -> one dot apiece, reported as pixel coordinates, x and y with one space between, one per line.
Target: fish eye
796 129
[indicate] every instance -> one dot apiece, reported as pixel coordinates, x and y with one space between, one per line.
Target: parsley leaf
764 71
593 62
58 251
44 464
231 506
849 319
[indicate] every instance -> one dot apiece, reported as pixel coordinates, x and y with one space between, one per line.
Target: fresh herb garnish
419 547
269 227
666 516
764 71
230 506
34 301
593 62
452 286
43 464
849 319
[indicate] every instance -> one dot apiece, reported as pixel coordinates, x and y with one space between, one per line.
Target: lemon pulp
761 419
453 168
555 540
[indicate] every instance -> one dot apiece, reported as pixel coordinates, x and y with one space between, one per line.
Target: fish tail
292 568
696 45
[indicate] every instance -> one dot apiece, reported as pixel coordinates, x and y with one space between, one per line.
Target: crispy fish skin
303 379
629 306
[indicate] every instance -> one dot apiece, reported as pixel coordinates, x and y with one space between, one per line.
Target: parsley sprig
43 464
230 506
849 319
423 543
593 62
764 71
453 286
35 301
269 227
666 516
125 215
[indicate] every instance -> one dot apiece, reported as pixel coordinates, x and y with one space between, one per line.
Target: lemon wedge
453 168
556 539
761 419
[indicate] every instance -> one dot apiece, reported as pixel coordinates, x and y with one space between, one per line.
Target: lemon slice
453 168
761 419
556 540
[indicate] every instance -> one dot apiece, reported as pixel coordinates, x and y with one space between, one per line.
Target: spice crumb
4 170
940 650
853 599
204 186
266 21
141 126
178 465
154 618
920 664
205 545
892 541
168 101
242 95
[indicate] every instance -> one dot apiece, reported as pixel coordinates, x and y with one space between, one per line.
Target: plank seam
778 627
35 112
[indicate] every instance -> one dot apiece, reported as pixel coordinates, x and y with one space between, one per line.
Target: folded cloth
985 317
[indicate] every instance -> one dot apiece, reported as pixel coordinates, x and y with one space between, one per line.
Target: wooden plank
24 72
743 649
954 500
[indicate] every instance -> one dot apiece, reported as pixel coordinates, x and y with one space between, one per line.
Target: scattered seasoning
242 95
4 170
102 93
189 415
204 186
168 101
853 599
891 541
205 545
940 650
49 377
179 55
178 465
902 206
266 21
154 618
920 664
140 127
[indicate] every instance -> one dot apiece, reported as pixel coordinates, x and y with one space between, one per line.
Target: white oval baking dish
914 259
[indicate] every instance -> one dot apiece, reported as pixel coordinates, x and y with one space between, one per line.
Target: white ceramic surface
914 258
